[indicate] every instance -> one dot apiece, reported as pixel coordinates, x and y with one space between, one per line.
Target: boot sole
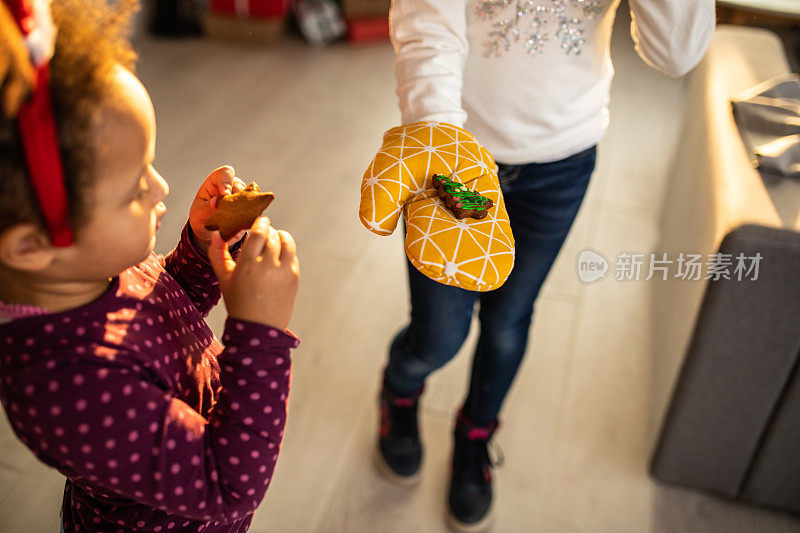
387 472
462 527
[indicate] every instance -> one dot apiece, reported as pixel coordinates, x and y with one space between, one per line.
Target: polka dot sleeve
190 267
110 428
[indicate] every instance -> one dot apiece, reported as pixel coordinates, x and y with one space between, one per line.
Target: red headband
37 128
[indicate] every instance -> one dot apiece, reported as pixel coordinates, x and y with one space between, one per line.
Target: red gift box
362 30
251 8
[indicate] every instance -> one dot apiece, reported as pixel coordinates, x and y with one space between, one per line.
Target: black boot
470 498
399 447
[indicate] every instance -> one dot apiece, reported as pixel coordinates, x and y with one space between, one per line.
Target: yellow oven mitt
474 254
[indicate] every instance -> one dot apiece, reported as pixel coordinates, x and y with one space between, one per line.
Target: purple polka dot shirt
156 425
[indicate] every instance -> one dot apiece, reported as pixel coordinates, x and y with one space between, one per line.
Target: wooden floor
577 428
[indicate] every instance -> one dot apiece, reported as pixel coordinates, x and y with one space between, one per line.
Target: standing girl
530 80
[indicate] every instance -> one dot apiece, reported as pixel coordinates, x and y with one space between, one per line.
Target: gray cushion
727 411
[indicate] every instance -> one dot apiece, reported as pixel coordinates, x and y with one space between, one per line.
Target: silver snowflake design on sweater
529 22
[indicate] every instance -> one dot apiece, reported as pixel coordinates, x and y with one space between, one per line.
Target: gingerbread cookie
236 212
459 199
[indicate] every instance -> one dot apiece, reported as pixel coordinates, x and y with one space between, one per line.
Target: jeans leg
440 319
542 204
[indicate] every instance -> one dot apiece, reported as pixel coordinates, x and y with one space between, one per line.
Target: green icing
469 199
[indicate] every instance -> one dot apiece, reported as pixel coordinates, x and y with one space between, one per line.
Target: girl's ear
25 247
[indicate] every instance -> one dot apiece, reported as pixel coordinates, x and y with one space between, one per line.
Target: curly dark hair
92 38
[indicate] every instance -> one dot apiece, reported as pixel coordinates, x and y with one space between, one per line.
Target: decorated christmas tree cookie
459 199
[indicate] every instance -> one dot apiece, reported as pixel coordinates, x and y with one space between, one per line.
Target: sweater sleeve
110 426
430 42
190 267
672 35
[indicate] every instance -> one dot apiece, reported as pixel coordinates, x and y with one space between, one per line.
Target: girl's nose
160 185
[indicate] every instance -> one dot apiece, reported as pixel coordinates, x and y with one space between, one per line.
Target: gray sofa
726 404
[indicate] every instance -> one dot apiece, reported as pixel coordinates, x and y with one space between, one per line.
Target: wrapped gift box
251 21
250 8
320 21
244 30
362 30
358 9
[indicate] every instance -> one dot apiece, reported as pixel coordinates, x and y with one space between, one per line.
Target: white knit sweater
523 107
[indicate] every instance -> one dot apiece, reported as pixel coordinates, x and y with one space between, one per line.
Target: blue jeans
542 201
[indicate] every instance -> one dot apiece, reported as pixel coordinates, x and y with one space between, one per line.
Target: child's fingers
220 258
222 179
288 247
238 185
272 249
254 243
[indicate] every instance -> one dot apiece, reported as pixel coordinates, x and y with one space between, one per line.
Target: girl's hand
261 285
219 183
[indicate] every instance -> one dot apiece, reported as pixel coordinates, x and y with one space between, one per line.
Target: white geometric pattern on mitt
473 246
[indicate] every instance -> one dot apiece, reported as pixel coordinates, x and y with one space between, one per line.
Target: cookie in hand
459 199
236 212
